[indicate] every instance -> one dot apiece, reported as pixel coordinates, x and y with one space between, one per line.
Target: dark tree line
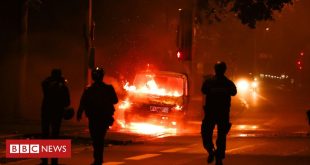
248 11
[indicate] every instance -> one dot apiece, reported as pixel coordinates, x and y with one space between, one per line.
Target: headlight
242 85
254 84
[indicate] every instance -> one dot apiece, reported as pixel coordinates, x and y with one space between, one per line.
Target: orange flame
151 87
124 104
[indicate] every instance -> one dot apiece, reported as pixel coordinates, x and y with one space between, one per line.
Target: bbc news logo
38 148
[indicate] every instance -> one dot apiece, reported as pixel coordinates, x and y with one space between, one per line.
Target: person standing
98 103
218 90
55 98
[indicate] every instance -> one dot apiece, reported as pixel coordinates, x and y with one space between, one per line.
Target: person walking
218 90
97 102
56 98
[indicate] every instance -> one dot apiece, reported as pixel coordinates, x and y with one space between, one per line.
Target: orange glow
162 92
242 135
242 85
121 123
174 123
151 87
178 108
245 86
247 127
124 104
149 129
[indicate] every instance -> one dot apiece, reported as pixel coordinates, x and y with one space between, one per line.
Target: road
187 150
268 128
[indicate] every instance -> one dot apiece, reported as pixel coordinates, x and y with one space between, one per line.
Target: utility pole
90 44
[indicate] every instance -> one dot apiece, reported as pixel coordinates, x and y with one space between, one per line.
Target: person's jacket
98 101
218 91
55 94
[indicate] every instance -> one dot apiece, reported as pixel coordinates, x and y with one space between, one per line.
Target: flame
170 87
124 104
151 87
178 108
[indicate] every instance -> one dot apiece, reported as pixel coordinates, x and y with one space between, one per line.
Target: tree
248 11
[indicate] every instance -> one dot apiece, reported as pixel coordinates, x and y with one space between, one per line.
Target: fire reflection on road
146 128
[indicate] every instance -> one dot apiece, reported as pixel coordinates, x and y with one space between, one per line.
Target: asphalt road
268 128
187 150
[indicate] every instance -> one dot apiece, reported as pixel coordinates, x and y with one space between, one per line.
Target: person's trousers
207 127
98 131
50 125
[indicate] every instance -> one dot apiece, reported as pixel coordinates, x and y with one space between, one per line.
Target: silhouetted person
55 98
98 103
218 90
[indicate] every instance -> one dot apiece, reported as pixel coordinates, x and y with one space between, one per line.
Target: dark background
131 34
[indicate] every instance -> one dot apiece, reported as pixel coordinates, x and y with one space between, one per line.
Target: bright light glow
125 104
246 87
254 127
150 129
282 76
121 123
242 85
247 127
151 87
254 84
241 127
178 108
164 118
298 62
242 135
179 54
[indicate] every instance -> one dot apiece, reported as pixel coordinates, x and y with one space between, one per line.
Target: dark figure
55 98
218 90
98 103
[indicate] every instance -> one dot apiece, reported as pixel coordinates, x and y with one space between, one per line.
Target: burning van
156 97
